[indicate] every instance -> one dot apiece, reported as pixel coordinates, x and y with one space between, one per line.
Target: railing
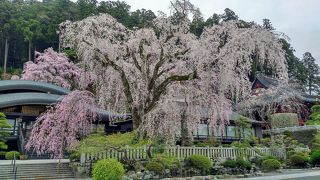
292 129
14 166
21 140
183 152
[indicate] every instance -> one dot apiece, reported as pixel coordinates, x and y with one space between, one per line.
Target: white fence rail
291 129
183 152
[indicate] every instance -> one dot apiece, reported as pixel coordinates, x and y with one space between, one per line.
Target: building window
231 131
203 130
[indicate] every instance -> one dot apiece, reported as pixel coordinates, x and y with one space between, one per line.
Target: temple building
265 82
23 101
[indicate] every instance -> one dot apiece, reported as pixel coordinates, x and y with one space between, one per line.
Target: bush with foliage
243 144
242 123
74 156
230 163
257 160
270 165
155 167
315 143
281 120
315 157
199 162
240 163
3 132
108 169
314 118
97 142
264 142
10 155
299 160
169 162
211 142
158 145
244 164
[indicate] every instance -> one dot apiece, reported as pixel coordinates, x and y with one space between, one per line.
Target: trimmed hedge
315 158
168 162
305 136
108 169
155 167
271 165
10 155
281 120
200 162
299 159
244 164
230 164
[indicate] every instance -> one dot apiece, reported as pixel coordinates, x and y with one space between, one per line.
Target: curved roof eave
34 98
32 85
14 99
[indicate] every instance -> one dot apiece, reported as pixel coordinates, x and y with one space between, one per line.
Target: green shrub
244 164
108 169
158 145
298 160
244 144
155 167
315 157
168 162
210 142
315 143
97 142
271 165
199 162
315 108
10 155
229 164
257 160
74 156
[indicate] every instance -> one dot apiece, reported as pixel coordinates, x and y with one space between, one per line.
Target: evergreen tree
229 15
3 132
312 69
213 20
267 24
296 68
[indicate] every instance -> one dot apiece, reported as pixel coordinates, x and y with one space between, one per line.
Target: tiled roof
9 85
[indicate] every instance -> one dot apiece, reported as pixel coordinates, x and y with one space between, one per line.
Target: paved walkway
293 176
36 161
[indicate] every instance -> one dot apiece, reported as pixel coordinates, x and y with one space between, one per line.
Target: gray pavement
313 175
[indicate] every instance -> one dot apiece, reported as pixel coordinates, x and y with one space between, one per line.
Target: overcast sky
299 19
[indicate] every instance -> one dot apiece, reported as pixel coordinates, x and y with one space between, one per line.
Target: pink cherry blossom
52 67
58 128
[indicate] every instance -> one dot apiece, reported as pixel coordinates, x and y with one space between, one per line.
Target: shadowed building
23 101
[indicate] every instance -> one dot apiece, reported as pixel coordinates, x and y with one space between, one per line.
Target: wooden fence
183 152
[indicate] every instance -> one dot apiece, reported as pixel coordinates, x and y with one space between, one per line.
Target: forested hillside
29 26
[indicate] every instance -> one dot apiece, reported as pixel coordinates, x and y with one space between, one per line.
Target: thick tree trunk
136 118
186 140
6 50
29 51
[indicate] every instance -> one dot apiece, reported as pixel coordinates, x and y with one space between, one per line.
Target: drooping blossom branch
284 97
144 70
144 63
57 129
229 49
52 67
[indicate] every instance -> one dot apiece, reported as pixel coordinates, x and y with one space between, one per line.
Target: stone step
37 177
37 171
